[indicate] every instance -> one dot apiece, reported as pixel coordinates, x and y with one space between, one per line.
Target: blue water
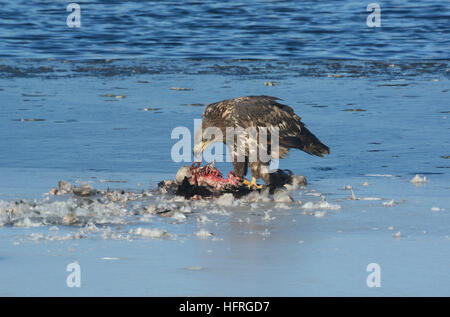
60 120
241 29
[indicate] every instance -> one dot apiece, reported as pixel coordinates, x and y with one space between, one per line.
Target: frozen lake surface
81 122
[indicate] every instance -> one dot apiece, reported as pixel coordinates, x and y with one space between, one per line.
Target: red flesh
212 177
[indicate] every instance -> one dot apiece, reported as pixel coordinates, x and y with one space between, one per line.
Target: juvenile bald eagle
257 112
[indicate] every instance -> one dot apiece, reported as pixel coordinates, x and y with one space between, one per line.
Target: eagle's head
207 134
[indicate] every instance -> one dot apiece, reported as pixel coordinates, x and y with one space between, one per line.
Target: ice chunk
203 219
255 196
320 214
186 209
225 200
221 212
267 216
194 268
178 199
321 205
389 203
178 216
64 188
151 208
84 190
110 258
26 222
252 197
282 196
151 233
90 227
203 234
70 219
282 206
418 180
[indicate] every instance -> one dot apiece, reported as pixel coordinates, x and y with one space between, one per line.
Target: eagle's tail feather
306 142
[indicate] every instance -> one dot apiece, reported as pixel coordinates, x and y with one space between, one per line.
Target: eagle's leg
258 171
240 168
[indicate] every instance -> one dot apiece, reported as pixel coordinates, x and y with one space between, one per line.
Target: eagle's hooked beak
204 144
199 148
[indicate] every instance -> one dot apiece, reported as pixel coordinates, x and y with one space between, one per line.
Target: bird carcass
196 181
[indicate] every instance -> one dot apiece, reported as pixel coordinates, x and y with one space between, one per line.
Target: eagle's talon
252 184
